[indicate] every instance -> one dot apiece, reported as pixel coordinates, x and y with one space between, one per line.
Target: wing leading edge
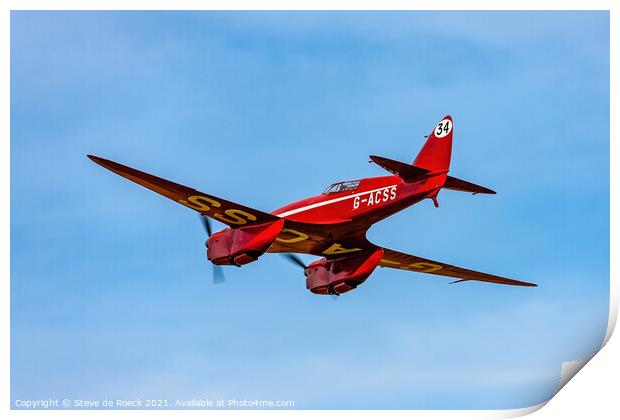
402 261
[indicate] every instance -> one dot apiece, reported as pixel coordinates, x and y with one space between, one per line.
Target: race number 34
443 128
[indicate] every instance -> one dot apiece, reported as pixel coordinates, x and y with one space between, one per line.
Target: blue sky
111 293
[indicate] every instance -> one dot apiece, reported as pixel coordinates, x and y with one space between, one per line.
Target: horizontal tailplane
460 185
404 170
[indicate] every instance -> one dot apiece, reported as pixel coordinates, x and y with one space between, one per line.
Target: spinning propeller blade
206 223
218 273
295 260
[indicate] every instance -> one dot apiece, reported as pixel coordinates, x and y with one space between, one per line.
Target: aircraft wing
402 261
329 242
224 211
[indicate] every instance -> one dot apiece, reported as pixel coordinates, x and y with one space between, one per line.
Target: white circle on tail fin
443 128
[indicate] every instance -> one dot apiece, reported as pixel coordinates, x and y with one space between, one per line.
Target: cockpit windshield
341 186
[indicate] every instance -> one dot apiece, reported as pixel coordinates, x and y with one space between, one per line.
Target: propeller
218 273
295 260
206 223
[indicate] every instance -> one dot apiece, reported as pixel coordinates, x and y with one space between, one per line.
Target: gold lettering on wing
339 249
297 236
425 267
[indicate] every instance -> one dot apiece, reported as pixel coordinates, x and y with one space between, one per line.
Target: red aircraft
331 225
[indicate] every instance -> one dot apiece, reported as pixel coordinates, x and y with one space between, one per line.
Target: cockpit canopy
341 186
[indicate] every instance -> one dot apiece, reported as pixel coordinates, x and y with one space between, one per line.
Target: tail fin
436 152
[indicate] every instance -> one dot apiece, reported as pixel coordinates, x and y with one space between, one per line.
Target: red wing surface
232 214
399 260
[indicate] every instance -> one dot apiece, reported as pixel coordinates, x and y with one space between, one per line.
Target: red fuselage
374 199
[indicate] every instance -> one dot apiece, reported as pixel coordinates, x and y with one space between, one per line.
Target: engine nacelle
242 245
333 277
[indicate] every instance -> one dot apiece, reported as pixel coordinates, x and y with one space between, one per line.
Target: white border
595 384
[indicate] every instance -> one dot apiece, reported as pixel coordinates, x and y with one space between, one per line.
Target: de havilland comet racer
331 225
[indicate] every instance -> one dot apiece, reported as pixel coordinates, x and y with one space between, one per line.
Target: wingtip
99 160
